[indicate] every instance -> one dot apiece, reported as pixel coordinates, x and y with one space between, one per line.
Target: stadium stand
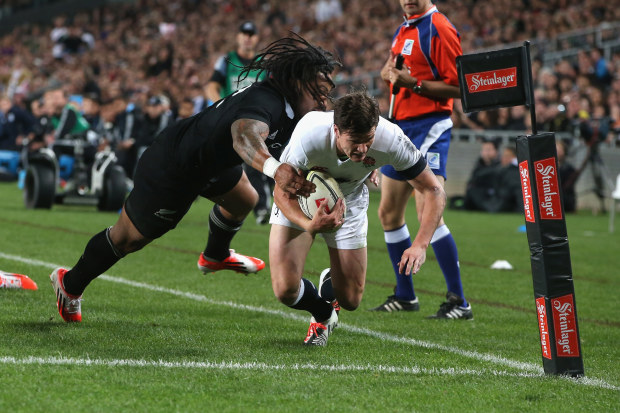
128 51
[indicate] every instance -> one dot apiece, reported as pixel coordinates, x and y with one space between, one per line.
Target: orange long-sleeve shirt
429 44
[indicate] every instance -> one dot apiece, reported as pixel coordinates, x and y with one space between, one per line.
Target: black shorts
163 192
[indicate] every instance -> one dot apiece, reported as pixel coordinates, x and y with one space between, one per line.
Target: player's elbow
438 196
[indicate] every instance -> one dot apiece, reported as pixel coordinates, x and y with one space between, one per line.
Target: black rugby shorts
163 193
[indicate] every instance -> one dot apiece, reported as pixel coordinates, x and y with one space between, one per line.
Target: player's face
354 147
307 103
414 7
247 42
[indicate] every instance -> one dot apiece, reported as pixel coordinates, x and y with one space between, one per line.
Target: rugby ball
326 188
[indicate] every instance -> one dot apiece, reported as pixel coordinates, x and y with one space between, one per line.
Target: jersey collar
415 18
289 109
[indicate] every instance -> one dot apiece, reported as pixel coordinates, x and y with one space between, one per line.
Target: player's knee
127 246
350 303
387 217
252 200
286 293
244 205
351 299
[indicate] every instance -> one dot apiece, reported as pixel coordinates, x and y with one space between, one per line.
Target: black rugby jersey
204 141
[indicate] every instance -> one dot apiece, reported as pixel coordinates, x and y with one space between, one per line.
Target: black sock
221 233
310 301
327 290
99 255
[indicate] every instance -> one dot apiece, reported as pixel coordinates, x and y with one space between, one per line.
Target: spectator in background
602 72
91 109
15 125
481 184
325 10
224 81
41 125
568 177
58 32
65 120
198 99
507 195
186 109
128 126
160 60
157 116
517 119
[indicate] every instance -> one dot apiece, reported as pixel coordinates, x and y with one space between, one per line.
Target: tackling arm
434 203
249 142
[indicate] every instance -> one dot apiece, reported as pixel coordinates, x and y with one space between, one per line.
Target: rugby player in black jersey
202 156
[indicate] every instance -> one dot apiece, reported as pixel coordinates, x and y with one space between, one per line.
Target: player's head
488 151
509 156
5 103
55 100
298 70
356 116
415 7
247 39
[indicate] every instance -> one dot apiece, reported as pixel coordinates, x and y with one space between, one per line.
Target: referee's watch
418 87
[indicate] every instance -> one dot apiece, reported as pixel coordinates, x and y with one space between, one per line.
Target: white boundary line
530 369
232 365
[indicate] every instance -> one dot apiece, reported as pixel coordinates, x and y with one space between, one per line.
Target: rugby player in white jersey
348 144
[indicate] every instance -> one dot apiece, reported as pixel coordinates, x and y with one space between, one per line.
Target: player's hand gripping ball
326 188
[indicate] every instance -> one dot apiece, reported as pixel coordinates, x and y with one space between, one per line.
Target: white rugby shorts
351 236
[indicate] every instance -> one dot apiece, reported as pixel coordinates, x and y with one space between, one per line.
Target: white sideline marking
533 369
232 365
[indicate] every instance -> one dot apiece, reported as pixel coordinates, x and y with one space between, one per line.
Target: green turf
159 336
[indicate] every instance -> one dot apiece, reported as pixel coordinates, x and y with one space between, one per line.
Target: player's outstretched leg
218 255
324 316
235 262
69 306
99 255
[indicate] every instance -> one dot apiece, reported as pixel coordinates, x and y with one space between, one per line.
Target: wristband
270 166
418 87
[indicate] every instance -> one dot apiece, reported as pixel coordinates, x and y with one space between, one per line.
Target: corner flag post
503 78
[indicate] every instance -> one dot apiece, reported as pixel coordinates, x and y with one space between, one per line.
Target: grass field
159 336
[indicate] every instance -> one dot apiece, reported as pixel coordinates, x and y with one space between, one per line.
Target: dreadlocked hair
293 65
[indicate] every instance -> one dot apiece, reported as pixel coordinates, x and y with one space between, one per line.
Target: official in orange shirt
428 84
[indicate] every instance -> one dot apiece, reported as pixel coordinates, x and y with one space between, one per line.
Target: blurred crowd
133 58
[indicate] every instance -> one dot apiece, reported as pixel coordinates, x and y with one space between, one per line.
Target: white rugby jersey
313 146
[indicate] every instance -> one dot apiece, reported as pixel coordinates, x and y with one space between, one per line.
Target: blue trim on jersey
397 31
426 32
